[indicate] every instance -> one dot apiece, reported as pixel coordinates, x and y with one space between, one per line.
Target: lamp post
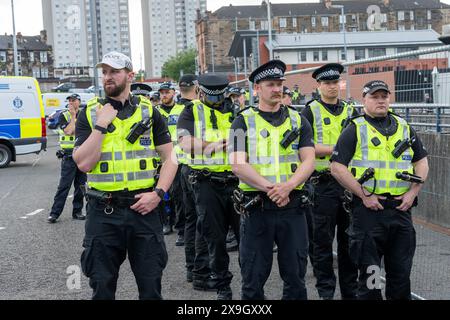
94 43
212 53
340 6
269 20
16 64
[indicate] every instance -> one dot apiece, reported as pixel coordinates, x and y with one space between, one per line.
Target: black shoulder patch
249 107
309 102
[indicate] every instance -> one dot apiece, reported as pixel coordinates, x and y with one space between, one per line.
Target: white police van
54 101
22 119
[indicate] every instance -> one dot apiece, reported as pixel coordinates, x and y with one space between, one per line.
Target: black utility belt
389 203
226 177
116 198
323 176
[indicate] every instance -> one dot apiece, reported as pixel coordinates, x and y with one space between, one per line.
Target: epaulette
309 102
247 108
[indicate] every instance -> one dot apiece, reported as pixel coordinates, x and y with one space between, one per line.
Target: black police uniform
69 174
267 223
328 215
214 205
374 234
110 238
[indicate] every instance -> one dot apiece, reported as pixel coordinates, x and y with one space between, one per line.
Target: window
377 52
411 15
429 14
44 72
343 57
31 56
316 55
401 28
313 22
283 23
360 54
324 21
302 56
2 56
19 56
252 25
264 25
43 56
412 27
294 22
36 72
324 55
384 18
429 26
401 15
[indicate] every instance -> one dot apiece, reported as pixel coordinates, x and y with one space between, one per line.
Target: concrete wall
434 200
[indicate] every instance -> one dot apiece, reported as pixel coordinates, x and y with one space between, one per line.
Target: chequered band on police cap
210 92
328 73
141 92
269 73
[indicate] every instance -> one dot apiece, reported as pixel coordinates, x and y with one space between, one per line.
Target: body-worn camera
138 129
289 137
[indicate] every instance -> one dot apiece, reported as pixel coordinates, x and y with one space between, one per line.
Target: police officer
287 96
381 219
207 125
273 156
69 171
155 98
175 201
117 142
328 116
237 96
296 95
141 89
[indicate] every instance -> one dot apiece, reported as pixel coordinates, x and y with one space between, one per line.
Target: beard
115 90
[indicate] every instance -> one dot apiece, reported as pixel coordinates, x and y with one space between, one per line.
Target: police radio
289 137
366 176
406 176
401 146
138 129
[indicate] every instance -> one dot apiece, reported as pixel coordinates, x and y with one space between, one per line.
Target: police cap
141 89
286 91
166 86
74 96
188 80
373 86
330 71
213 84
272 70
235 91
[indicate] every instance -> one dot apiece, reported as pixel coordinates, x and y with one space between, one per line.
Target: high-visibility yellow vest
295 95
172 120
265 153
369 155
211 126
66 142
327 128
122 165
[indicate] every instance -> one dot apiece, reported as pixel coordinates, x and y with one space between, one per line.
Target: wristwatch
160 192
101 129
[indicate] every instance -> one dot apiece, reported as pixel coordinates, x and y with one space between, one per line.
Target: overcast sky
29 18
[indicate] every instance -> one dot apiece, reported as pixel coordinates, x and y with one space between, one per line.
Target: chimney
43 35
19 37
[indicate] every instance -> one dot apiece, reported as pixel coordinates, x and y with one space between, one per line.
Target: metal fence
420 85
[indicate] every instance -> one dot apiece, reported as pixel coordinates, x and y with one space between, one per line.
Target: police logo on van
18 104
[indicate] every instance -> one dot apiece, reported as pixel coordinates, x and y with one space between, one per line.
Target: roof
355 39
237 46
29 43
307 9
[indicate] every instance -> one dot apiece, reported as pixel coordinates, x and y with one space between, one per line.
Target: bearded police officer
69 171
273 156
207 124
328 116
118 142
382 149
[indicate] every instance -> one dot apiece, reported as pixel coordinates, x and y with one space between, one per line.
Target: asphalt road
35 255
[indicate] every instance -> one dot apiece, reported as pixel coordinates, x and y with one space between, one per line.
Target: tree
184 60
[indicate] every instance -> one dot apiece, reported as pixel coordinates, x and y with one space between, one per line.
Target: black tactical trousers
108 240
259 230
216 213
69 174
329 218
195 246
387 233
176 194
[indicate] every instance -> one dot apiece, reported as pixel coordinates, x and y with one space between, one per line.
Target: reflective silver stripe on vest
261 160
368 164
404 165
252 141
315 108
364 138
66 142
94 116
384 184
107 156
106 178
141 154
143 175
289 158
201 115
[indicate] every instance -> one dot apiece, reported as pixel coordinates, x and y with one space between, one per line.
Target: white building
68 25
314 48
169 27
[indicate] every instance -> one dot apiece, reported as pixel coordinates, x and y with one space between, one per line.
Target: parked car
53 119
64 87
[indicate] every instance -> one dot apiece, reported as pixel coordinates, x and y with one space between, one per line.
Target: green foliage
184 60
